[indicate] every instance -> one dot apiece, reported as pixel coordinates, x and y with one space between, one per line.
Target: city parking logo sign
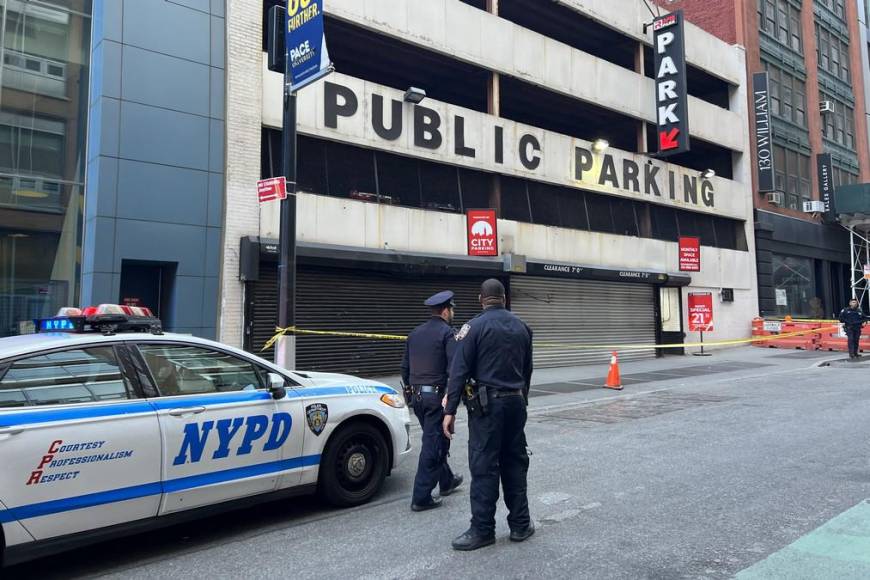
482 232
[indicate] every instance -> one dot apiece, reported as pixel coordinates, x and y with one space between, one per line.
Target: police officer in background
853 319
428 352
495 349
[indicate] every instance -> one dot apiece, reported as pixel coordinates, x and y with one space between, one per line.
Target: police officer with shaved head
495 350
428 352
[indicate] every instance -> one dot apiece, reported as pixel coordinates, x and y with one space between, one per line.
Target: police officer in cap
428 352
495 349
853 320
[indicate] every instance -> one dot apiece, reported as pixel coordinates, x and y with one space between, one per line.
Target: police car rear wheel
354 466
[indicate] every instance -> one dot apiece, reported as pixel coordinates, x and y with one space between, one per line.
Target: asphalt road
694 477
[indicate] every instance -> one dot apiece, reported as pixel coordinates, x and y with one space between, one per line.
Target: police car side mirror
276 386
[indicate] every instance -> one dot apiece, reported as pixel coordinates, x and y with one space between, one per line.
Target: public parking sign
672 110
700 312
271 189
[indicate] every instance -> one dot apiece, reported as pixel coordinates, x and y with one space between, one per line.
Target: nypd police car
109 426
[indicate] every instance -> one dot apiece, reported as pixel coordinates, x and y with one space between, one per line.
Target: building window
788 96
833 53
844 176
836 6
44 67
839 124
781 20
792 176
794 286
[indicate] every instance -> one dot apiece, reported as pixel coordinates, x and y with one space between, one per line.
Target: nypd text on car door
225 436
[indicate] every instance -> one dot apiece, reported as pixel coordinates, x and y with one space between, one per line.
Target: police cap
444 298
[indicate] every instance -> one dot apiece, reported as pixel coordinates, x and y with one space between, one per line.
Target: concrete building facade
185 118
514 96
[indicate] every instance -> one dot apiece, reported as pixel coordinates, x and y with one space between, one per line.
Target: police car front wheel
354 466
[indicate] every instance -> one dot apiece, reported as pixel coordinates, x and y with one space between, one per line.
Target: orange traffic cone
613 380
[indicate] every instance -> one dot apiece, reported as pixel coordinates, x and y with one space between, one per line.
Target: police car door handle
10 430
181 412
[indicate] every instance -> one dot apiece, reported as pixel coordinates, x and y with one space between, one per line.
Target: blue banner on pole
307 56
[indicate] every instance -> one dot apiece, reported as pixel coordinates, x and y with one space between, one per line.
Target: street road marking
560 517
554 497
838 549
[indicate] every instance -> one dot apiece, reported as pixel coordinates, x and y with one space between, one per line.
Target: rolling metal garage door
584 312
354 301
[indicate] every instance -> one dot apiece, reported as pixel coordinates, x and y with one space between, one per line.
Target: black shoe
471 541
422 507
457 481
523 535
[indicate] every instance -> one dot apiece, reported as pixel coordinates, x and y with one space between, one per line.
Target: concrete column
639 64
814 118
493 104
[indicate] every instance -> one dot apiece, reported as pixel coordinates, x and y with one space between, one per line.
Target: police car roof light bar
105 318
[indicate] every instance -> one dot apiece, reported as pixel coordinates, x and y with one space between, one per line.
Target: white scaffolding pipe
859 245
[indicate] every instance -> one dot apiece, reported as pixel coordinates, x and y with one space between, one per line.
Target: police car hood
312 379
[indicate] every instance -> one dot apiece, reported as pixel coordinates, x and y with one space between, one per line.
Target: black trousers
854 335
497 451
432 468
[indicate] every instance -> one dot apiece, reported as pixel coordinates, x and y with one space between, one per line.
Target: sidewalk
674 371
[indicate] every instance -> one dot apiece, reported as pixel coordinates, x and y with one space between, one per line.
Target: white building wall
557 165
518 52
347 222
244 127
453 28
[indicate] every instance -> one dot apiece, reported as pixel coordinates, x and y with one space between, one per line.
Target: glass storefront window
794 283
44 76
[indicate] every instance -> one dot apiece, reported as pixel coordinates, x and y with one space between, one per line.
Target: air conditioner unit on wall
826 107
775 198
814 206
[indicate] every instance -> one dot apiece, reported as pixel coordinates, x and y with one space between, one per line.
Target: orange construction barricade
807 341
836 340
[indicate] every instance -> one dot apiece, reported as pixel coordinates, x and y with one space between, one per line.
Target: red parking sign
482 232
690 254
272 189
700 311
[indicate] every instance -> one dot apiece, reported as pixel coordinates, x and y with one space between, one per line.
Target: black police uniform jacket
852 318
495 347
428 352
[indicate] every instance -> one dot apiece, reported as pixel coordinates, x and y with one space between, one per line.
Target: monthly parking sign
307 56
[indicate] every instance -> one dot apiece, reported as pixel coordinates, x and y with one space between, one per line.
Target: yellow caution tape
294 330
732 342
801 320
279 332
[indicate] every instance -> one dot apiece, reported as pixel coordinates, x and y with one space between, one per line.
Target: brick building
815 52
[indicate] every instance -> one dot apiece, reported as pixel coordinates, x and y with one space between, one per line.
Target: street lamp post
285 348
